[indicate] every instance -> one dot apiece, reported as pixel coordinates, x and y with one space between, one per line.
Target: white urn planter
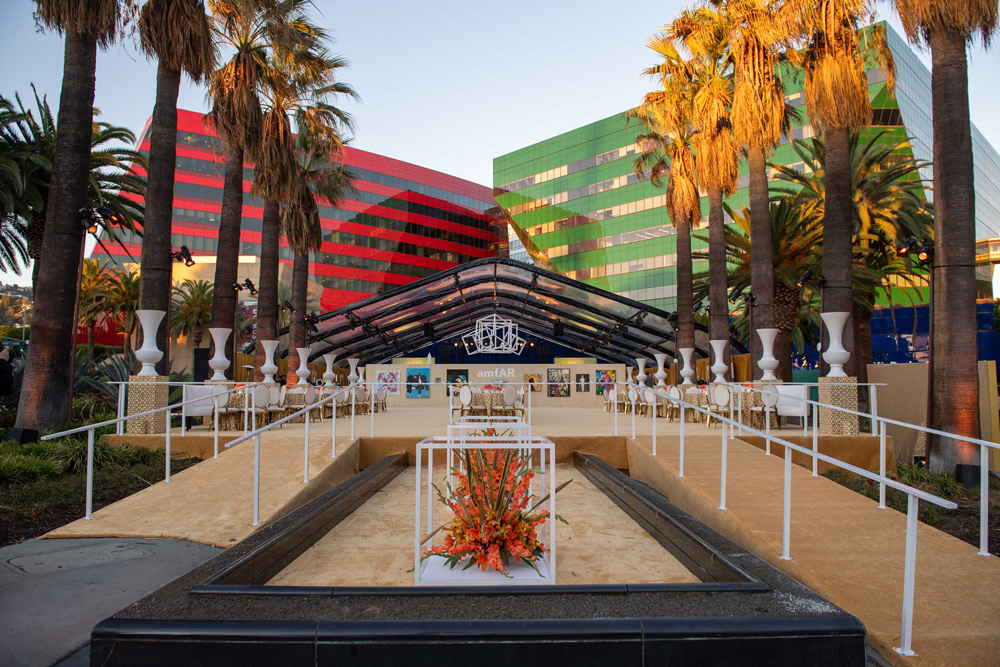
836 355
361 376
303 369
661 374
219 363
329 376
641 365
687 372
768 362
719 367
149 354
353 375
269 368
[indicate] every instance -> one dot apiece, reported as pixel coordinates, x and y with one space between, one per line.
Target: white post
656 402
353 408
166 477
909 574
873 396
722 474
215 402
632 401
815 441
881 465
614 407
767 427
90 475
305 474
256 480
739 407
371 410
529 411
120 426
984 502
681 471
246 407
333 430
183 408
416 524
786 521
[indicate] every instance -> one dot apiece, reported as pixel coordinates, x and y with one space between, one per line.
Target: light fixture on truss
493 334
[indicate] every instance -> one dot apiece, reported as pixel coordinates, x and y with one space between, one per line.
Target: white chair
260 397
769 397
719 402
509 400
465 401
380 399
276 402
790 405
205 407
674 408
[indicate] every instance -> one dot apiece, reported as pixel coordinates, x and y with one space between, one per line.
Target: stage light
110 216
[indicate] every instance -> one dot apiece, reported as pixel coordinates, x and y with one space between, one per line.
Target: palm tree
666 149
796 239
948 27
191 310
112 183
305 88
836 93
302 227
709 69
123 301
46 391
176 32
758 115
93 299
250 30
887 205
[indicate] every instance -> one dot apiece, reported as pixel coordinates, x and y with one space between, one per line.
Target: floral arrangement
493 524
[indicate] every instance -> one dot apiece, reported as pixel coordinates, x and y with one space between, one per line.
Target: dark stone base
743 612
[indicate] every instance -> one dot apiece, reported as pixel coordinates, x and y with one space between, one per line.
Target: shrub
72 454
16 468
140 455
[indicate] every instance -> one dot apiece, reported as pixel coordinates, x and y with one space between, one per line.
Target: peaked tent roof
595 322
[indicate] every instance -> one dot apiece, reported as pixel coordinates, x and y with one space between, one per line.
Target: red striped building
404 223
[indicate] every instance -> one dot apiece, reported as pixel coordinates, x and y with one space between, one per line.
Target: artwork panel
558 382
603 381
583 383
534 381
418 382
388 380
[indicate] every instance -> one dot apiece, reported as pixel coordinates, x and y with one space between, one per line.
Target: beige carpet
374 546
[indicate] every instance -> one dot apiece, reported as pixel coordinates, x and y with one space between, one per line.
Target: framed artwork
388 380
603 381
460 375
558 381
418 383
583 383
534 381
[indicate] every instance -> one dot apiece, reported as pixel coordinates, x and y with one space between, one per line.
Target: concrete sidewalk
53 592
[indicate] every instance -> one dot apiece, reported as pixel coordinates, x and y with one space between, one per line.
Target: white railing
914 495
89 428
879 424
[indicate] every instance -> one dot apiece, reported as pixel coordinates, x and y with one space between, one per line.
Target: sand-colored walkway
212 502
842 546
374 546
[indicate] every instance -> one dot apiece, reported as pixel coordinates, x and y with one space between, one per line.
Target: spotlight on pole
110 216
183 255
88 220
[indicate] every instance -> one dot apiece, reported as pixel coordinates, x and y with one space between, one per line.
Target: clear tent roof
544 304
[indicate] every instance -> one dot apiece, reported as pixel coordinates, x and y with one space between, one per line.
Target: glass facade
405 222
576 196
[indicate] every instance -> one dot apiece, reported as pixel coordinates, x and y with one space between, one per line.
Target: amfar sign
496 373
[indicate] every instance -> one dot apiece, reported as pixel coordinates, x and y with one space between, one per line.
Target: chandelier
493 334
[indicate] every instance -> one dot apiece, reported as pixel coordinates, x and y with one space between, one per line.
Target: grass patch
43 485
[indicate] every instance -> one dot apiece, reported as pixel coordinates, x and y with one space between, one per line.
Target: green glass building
575 197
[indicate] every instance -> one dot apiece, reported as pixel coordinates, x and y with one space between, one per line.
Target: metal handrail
914 495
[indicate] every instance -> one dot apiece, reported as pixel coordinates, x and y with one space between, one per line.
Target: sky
444 85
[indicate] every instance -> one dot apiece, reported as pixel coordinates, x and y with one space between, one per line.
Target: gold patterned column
842 392
147 392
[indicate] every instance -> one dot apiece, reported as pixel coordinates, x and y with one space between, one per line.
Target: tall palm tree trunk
297 327
955 396
718 318
228 256
46 394
685 292
837 230
267 289
156 268
761 253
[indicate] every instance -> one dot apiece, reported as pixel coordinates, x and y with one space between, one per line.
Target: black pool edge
823 640
194 621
